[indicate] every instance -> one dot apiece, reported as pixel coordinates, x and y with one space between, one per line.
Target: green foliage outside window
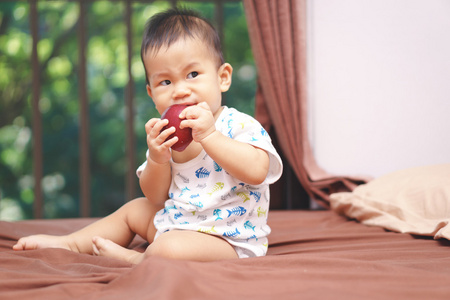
107 77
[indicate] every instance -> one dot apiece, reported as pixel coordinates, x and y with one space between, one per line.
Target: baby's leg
175 244
191 245
135 217
103 247
42 241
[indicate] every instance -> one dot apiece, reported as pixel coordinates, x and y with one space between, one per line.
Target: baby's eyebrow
163 74
193 64
158 75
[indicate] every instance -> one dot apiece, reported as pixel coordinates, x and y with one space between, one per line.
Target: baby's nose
181 91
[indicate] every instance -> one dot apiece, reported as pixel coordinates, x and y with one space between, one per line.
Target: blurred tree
107 77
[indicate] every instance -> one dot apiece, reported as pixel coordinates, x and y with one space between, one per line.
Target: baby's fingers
154 127
204 105
150 124
164 136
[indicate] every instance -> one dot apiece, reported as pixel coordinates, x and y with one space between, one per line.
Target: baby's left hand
200 118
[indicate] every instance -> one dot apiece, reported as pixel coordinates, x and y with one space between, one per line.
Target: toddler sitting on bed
208 202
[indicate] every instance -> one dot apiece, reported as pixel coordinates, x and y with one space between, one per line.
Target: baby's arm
243 161
156 177
155 181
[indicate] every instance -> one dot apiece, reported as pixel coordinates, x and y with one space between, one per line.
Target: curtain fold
277 32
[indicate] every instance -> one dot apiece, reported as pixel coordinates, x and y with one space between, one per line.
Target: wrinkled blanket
312 255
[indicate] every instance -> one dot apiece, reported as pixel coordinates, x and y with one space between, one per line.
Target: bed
323 254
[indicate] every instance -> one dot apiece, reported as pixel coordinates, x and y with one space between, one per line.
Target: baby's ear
225 73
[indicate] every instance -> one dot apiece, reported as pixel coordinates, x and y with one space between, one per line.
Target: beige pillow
415 201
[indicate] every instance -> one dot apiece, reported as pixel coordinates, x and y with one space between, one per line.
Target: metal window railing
84 170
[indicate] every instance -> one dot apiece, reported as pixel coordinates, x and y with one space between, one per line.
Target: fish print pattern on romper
249 225
217 168
256 195
217 212
202 173
244 196
217 187
205 198
231 233
237 211
210 231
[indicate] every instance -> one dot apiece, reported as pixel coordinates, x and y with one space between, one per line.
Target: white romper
204 197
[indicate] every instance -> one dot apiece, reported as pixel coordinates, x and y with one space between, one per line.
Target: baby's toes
25 244
99 245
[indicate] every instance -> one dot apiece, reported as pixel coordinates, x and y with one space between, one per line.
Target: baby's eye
192 75
165 82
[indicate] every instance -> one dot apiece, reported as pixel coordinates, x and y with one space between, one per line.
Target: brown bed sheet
312 255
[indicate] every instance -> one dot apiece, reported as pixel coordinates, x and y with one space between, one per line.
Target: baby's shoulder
232 120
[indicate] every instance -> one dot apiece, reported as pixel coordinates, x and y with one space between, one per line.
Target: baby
208 202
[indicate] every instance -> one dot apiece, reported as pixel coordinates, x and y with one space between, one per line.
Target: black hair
165 28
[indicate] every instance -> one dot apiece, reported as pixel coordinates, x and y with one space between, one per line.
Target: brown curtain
278 36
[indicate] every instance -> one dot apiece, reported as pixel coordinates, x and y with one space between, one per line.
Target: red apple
184 135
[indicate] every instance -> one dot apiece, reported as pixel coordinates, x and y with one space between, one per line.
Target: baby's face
184 73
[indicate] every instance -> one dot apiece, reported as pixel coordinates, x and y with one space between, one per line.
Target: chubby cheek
160 103
215 101
160 107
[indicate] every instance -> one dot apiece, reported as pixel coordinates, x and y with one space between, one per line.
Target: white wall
379 84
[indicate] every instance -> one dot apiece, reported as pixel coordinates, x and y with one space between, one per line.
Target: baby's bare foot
104 247
40 241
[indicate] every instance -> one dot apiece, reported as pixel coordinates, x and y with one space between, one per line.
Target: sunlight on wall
378 85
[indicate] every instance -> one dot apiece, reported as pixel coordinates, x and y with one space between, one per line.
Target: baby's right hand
158 147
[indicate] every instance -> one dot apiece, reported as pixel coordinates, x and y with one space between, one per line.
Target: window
73 102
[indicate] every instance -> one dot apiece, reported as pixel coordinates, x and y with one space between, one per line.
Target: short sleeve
246 129
142 167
